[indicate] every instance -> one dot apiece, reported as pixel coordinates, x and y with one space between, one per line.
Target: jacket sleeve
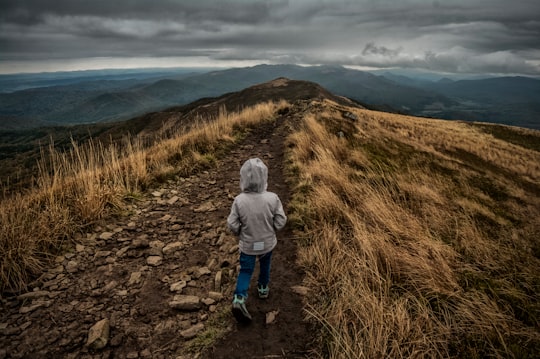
280 219
233 221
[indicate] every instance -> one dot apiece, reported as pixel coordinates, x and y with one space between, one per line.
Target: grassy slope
420 236
76 188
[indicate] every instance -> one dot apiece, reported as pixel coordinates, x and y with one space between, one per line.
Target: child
256 215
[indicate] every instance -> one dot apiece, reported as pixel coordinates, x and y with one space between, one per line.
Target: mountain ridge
81 103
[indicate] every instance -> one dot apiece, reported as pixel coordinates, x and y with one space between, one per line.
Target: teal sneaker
263 291
239 309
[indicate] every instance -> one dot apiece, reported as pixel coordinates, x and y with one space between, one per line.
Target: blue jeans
247 266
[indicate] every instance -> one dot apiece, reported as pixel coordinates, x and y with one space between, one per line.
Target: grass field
420 237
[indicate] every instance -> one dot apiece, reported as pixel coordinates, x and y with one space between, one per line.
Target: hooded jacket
256 214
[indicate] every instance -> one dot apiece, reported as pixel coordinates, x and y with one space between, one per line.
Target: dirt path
289 336
153 283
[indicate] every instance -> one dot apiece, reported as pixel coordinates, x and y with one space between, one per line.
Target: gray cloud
466 36
372 49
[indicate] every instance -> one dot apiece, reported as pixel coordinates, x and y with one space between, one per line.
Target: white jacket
256 214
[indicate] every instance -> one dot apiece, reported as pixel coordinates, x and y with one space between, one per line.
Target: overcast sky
454 36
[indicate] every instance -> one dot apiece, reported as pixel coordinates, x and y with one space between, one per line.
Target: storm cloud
460 36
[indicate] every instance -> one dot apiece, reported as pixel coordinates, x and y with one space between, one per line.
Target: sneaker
239 309
263 291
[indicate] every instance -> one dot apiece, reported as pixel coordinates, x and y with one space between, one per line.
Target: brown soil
112 276
289 336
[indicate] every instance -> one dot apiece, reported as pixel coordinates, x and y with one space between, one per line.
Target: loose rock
173 247
217 281
98 335
34 295
298 289
217 296
185 302
192 332
72 267
205 207
208 301
102 254
154 261
178 286
203 271
34 306
271 316
106 235
135 278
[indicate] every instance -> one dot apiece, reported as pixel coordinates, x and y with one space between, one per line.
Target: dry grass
83 185
420 237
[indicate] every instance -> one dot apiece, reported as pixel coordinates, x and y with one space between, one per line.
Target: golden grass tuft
82 186
414 232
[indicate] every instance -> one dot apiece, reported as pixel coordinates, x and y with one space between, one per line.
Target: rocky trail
156 283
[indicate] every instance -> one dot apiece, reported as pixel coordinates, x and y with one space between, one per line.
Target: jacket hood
254 176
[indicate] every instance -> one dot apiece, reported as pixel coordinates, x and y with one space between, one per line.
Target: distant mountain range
106 96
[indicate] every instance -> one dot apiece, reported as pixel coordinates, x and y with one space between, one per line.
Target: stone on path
156 248
154 261
172 247
185 302
208 301
217 281
35 305
98 335
298 289
178 286
121 252
102 254
157 244
271 316
106 235
205 207
110 286
217 296
140 242
135 278
192 332
202 271
34 295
